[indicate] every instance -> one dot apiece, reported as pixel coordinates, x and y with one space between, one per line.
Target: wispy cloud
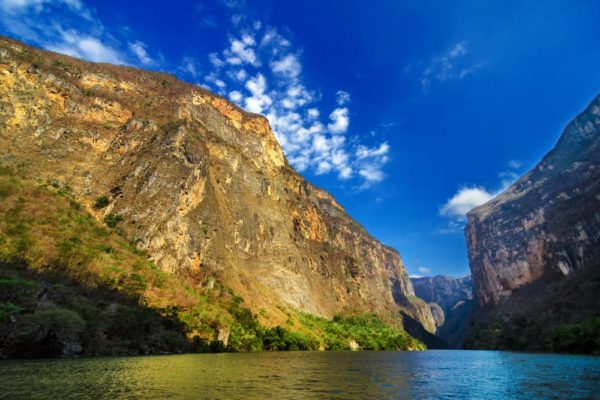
260 70
139 49
453 64
424 270
69 27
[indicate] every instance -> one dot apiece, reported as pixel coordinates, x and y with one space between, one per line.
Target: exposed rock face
542 235
450 300
200 184
549 220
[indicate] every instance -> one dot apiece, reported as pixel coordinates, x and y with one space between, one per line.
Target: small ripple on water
431 374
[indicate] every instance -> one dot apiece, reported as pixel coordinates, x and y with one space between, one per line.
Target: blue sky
409 112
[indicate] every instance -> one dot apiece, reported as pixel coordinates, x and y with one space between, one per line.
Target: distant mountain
200 185
534 250
450 300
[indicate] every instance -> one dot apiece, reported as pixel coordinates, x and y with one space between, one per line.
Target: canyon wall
534 250
198 183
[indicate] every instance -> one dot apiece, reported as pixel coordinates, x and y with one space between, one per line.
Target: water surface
307 375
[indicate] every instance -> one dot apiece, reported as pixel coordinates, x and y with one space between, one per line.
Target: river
435 374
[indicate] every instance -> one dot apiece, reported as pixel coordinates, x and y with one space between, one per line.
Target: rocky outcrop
198 183
543 230
450 300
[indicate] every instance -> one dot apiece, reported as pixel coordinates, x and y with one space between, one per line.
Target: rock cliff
198 183
538 243
450 300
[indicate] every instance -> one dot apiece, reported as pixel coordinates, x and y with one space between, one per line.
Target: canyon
451 301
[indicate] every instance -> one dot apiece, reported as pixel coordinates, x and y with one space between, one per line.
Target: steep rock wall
534 251
548 222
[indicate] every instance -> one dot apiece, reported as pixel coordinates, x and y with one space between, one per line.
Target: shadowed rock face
200 184
450 300
548 221
534 250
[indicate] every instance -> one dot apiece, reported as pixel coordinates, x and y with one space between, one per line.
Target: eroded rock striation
542 234
450 299
198 183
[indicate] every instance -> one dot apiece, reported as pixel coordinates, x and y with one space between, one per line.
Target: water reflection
431 374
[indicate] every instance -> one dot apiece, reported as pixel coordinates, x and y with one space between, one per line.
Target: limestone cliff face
547 223
200 184
450 300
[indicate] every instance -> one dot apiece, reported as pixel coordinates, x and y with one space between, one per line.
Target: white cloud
424 270
469 197
371 173
214 81
235 96
323 167
342 97
459 49
89 48
233 4
453 64
259 101
71 28
345 172
515 164
339 120
241 51
139 49
313 113
37 6
288 66
240 75
464 201
365 152
188 65
215 60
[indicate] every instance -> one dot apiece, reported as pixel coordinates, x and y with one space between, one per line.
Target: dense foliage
530 335
583 337
555 314
69 285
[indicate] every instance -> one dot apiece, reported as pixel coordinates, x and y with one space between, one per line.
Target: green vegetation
583 337
368 331
70 286
101 202
529 335
111 220
550 315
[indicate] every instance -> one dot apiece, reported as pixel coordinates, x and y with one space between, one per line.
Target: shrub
63 322
7 309
101 202
111 220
